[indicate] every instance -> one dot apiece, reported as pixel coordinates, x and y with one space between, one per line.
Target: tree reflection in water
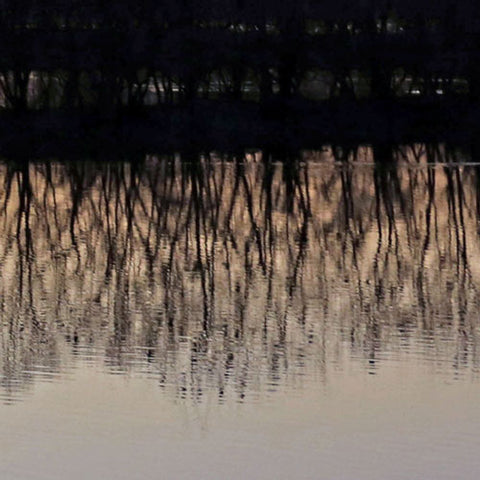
241 275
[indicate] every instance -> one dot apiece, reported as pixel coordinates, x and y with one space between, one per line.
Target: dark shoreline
235 126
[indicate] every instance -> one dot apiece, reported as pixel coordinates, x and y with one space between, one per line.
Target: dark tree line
75 54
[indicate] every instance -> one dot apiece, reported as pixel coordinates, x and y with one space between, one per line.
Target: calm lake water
228 320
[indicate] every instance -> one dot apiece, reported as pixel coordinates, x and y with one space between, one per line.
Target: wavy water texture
238 277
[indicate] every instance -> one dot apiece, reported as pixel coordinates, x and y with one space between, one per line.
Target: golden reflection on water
237 279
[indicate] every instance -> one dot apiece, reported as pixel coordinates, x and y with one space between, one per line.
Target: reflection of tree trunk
422 298
255 228
159 228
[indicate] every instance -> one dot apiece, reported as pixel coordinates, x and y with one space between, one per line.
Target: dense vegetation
96 54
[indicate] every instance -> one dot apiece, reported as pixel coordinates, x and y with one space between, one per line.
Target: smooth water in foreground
234 321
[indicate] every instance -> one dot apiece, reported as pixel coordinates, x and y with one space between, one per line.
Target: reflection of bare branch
231 274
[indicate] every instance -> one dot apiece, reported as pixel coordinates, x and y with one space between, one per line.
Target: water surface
236 320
